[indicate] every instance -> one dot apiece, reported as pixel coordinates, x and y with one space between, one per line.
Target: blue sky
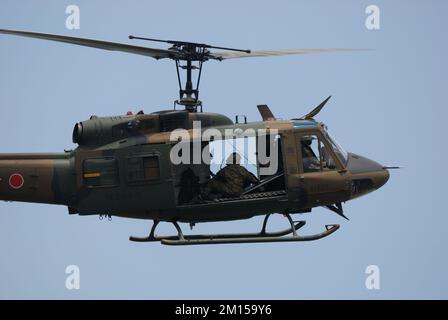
388 104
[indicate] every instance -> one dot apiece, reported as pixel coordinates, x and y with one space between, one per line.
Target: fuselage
124 167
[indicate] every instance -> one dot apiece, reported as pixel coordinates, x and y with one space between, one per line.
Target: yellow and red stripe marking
92 175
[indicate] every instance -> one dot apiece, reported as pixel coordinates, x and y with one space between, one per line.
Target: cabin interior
191 178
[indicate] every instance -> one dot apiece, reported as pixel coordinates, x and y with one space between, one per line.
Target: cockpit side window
315 156
337 148
328 162
310 153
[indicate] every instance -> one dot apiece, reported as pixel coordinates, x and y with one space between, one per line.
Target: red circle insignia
16 181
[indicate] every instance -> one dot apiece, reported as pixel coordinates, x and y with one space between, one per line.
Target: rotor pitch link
255 239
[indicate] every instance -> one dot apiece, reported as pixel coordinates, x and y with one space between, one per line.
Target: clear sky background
388 104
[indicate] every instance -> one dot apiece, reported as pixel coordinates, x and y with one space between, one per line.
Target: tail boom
38 178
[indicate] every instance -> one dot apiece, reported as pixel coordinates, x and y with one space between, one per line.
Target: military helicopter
123 164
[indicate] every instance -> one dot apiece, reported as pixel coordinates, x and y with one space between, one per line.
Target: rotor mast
190 52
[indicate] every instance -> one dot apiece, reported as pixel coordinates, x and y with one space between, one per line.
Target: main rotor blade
112 46
224 55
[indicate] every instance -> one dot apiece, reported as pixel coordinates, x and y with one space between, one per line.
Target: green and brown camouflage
102 175
123 164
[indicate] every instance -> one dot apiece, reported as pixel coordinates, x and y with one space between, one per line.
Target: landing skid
262 236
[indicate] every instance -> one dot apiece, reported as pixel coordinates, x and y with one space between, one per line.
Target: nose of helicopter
380 178
367 175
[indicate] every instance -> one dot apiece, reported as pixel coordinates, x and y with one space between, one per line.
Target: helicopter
123 165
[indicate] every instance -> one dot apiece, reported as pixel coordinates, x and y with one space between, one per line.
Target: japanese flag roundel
16 181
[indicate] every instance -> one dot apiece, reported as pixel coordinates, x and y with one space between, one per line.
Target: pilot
231 180
310 161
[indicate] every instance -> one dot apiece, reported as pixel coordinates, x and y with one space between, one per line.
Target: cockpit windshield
338 150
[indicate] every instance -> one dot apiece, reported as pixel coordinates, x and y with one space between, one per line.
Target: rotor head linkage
190 52
190 49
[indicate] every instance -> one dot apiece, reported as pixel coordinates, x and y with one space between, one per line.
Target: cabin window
148 124
315 156
220 150
119 131
145 168
100 172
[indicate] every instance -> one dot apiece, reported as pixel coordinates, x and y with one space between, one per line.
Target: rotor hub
189 52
